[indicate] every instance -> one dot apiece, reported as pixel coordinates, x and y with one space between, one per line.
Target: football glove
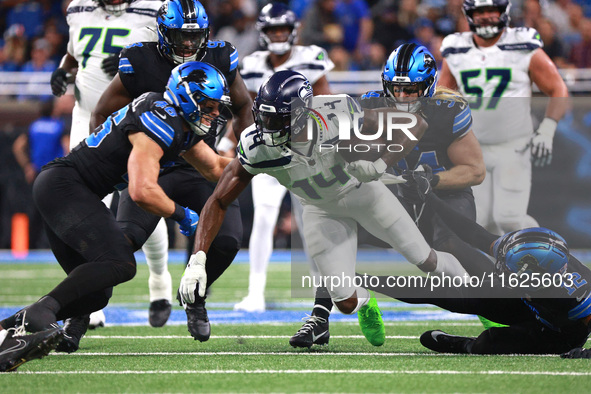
419 183
59 82
110 65
188 224
367 171
541 143
194 274
577 353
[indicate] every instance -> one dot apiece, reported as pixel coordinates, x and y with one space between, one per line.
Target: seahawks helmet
409 68
532 250
487 30
190 85
183 30
114 7
279 108
273 15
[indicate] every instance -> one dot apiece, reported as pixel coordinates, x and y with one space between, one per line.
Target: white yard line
293 353
233 336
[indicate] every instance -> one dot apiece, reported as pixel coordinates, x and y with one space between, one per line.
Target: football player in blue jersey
536 287
127 151
183 35
448 145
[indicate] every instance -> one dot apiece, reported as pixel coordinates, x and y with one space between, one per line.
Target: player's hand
59 82
541 143
194 274
188 224
419 183
110 65
577 353
367 171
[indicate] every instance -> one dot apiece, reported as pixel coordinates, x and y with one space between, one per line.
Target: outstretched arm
113 98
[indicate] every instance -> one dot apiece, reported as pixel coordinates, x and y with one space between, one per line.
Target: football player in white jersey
494 66
278 26
99 29
336 197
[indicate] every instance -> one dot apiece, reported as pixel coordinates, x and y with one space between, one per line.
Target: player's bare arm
446 78
321 86
544 74
69 65
241 105
232 182
143 168
468 169
113 98
206 161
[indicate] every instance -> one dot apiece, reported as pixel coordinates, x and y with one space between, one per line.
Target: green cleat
489 324
371 323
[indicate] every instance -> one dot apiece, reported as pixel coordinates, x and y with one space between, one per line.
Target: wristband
547 127
179 213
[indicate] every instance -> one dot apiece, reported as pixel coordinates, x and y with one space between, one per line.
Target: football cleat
18 347
159 312
313 332
97 319
251 303
442 342
74 330
577 353
197 320
371 323
489 323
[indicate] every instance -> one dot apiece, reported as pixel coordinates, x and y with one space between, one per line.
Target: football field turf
251 353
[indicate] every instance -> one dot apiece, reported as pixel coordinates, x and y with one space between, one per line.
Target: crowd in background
358 35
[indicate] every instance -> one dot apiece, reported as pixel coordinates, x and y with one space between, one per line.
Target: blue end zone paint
120 316
176 256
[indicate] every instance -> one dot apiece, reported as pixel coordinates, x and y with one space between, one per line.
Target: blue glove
189 222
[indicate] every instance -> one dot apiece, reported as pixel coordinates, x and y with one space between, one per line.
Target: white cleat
97 319
251 303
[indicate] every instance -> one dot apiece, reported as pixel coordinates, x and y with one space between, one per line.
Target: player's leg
512 185
267 195
160 282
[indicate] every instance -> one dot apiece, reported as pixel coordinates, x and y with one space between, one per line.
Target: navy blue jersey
447 121
101 159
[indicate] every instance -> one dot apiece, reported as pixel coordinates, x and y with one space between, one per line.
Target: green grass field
256 357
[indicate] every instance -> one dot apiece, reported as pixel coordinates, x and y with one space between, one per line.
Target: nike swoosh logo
579 299
19 346
315 337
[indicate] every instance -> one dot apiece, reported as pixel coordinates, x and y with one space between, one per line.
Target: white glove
194 273
367 171
541 143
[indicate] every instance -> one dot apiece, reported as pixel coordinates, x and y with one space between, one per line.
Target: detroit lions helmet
531 250
114 7
183 30
279 108
274 15
412 69
488 30
189 88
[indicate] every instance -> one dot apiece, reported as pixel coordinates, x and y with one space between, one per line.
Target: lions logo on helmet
189 88
532 250
183 30
490 29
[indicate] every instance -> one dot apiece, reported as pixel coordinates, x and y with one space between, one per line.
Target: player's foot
489 324
251 303
371 323
39 316
159 312
442 342
197 320
577 353
313 332
97 319
74 330
18 347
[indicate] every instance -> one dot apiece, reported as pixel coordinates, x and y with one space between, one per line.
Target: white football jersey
311 61
95 35
318 176
496 81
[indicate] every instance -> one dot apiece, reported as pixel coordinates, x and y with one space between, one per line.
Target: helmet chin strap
279 48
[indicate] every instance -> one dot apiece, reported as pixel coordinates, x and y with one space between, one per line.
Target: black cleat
159 312
442 342
313 332
197 320
577 353
74 330
19 347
